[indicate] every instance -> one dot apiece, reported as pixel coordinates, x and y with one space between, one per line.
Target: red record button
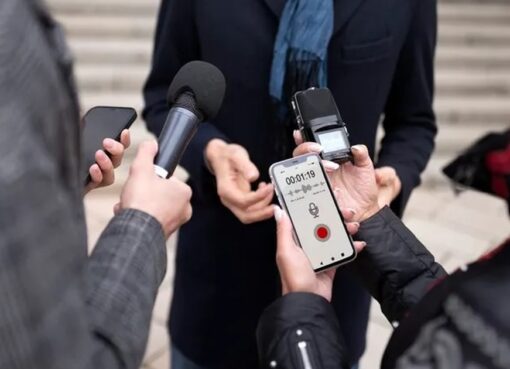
322 232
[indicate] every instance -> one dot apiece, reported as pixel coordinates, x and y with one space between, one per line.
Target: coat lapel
344 10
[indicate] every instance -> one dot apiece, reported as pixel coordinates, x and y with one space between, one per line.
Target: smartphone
304 191
99 123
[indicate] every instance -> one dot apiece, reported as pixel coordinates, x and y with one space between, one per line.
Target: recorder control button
322 232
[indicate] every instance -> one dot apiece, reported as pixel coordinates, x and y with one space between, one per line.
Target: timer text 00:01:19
300 177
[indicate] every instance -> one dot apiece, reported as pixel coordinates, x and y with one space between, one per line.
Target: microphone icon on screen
313 210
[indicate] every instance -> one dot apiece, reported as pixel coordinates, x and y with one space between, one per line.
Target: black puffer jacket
460 321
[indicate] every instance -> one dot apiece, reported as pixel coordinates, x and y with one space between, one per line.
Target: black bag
484 166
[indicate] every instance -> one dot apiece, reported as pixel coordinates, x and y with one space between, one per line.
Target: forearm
297 327
123 276
395 267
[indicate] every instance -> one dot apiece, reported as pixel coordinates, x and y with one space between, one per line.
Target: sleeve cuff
297 318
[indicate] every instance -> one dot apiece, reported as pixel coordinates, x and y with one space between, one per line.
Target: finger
242 163
106 166
96 176
361 157
188 213
125 138
359 246
144 160
307 148
298 137
257 215
262 203
116 150
117 208
231 195
284 238
330 166
348 214
352 228
330 273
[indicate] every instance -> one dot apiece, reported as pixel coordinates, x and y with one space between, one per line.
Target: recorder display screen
313 211
334 141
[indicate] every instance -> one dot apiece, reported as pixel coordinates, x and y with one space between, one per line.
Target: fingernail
353 212
315 147
329 165
356 224
295 133
108 143
278 213
356 148
364 243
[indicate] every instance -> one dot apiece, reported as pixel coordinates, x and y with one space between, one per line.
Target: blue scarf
300 50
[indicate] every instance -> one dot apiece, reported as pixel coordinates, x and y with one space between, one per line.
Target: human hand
296 272
102 172
389 185
167 200
234 173
354 183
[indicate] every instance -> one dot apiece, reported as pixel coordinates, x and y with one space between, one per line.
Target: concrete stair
112 41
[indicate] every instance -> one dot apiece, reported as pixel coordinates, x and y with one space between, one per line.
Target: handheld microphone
195 94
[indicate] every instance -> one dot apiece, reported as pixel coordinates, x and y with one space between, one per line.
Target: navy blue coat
380 63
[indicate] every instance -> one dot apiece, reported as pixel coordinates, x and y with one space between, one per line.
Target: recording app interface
311 207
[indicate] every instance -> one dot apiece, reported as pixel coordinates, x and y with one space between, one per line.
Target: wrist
370 212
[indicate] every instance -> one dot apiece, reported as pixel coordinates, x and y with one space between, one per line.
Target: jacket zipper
305 358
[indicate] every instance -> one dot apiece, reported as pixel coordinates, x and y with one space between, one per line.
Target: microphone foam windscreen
205 81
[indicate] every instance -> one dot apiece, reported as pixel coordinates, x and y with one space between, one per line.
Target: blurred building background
112 42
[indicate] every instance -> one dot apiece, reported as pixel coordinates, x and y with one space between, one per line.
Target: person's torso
238 37
230 266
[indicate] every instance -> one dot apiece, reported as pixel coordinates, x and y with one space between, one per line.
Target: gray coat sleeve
60 309
123 276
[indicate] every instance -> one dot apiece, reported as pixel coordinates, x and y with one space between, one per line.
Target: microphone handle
180 127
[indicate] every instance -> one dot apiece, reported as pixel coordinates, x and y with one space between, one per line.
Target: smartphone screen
305 193
99 123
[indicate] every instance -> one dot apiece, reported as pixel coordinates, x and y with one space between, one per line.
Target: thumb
361 156
244 165
144 160
284 235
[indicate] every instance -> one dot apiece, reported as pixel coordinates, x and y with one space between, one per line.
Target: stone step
109 25
473 110
131 7
452 140
138 51
474 34
143 25
473 12
109 78
477 57
433 176
465 81
449 81
453 12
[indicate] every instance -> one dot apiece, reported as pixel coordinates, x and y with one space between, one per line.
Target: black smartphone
304 192
99 123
